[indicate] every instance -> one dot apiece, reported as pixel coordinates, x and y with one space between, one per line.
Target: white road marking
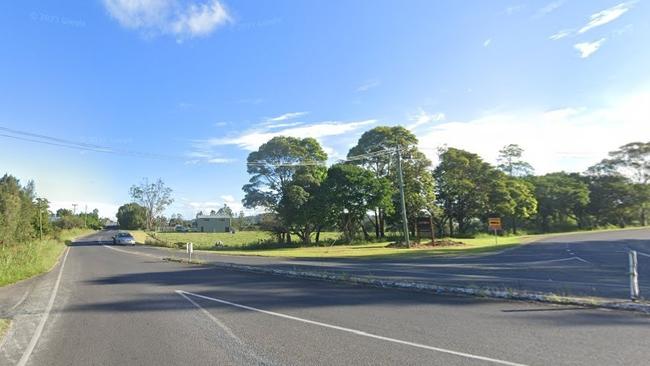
354 331
48 309
581 259
21 300
643 254
213 318
132 252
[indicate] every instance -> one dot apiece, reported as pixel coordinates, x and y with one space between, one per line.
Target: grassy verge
383 250
206 241
21 261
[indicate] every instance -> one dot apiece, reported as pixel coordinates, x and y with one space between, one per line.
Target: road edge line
46 314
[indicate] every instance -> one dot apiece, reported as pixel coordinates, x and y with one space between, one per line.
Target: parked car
123 238
181 229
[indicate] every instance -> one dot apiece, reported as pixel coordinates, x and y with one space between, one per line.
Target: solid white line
213 318
41 325
643 254
354 331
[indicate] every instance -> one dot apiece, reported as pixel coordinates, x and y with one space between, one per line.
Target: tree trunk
366 236
382 223
451 227
376 222
318 234
514 225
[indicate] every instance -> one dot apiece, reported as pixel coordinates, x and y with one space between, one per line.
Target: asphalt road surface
582 264
109 307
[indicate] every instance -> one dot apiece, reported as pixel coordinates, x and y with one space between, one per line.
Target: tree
225 211
17 211
285 175
560 196
132 216
375 151
462 187
511 163
632 161
522 193
63 212
154 197
612 199
349 192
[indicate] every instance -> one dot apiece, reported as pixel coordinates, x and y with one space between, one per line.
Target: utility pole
85 216
74 208
40 220
401 193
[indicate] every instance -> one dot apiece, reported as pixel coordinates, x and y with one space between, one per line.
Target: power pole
40 220
401 193
85 216
74 208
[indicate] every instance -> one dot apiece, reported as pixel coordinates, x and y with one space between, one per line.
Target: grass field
21 261
382 250
237 240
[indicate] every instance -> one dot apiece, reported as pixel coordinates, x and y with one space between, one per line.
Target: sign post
189 247
634 276
494 223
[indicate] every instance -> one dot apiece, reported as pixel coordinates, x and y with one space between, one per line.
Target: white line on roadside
213 318
354 331
643 254
46 314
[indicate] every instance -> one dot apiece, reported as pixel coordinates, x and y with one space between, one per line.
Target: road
119 308
582 264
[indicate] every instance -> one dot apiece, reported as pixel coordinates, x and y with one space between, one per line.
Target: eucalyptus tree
154 197
286 173
510 161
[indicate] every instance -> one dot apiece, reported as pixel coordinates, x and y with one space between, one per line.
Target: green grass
21 261
237 240
382 250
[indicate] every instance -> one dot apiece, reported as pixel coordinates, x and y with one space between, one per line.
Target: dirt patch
431 245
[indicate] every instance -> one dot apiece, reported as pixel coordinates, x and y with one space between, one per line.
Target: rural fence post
634 276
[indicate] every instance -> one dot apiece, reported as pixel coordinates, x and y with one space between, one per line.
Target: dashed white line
354 331
46 314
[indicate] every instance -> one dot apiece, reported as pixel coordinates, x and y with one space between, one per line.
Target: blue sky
203 82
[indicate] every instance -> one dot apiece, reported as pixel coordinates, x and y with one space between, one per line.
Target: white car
123 238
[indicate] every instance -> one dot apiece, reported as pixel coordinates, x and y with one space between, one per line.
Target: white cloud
586 49
423 118
549 8
605 16
180 18
369 84
286 116
205 156
251 140
514 9
570 139
561 34
487 42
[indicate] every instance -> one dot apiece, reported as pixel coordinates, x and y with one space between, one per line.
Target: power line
55 141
